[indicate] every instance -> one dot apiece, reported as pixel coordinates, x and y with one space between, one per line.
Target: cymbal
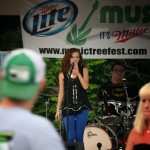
126 83
50 91
95 107
46 94
133 97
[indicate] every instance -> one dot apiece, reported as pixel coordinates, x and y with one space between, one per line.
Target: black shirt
75 95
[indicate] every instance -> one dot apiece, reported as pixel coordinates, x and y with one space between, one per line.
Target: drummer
116 92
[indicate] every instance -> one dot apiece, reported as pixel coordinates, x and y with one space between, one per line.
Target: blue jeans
77 124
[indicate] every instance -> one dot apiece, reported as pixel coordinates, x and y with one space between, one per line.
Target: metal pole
47 103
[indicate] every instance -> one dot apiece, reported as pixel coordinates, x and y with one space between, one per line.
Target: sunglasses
117 71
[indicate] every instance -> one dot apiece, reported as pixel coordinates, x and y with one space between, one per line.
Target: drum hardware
126 125
122 112
46 105
130 105
46 102
49 92
92 122
122 125
117 104
129 108
111 115
128 101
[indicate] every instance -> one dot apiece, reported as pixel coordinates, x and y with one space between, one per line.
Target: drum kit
112 128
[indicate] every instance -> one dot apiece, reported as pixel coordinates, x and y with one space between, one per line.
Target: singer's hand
57 116
76 69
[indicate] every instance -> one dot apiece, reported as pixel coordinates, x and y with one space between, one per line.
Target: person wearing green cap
0 84
23 80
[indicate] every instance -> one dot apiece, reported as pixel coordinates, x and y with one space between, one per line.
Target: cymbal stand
46 105
127 115
127 104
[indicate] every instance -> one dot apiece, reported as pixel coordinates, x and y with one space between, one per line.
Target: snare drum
109 108
99 135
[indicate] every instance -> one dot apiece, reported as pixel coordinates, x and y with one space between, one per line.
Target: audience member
139 137
23 80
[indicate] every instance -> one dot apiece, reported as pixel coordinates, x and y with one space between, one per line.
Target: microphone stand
67 111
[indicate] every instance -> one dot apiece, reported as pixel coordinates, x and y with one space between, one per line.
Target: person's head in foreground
23 80
139 136
23 77
142 121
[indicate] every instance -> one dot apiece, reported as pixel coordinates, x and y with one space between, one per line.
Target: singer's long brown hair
65 64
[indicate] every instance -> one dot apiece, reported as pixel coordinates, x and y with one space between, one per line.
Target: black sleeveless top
76 95
142 147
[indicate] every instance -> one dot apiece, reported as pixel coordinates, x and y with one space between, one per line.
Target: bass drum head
102 135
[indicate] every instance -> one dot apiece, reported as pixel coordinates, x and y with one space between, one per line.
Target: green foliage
53 68
99 72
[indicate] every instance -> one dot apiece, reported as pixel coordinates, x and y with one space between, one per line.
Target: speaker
74 145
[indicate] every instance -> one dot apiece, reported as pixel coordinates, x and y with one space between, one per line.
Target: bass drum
99 137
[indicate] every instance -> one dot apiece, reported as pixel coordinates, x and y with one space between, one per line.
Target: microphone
99 145
71 68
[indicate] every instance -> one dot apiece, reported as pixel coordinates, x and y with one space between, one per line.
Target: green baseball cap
23 70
